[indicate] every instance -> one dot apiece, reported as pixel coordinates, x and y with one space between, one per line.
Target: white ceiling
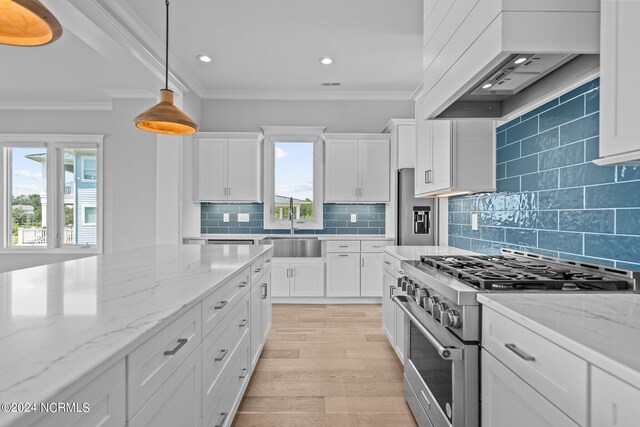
275 45
260 48
67 71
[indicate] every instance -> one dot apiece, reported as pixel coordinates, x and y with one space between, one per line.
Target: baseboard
326 300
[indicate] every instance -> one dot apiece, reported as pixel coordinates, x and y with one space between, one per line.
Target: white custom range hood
490 58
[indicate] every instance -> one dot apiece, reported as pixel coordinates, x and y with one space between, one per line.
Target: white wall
190 210
338 116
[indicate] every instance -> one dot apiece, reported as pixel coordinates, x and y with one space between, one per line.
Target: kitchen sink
294 246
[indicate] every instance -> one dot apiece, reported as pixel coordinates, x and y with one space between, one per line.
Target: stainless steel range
438 295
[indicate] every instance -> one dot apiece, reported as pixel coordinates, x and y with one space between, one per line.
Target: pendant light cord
166 64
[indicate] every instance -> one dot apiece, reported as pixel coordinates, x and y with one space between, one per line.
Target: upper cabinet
454 157
357 168
619 84
228 167
490 59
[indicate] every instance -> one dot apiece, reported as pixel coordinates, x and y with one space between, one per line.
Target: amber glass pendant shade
166 118
27 23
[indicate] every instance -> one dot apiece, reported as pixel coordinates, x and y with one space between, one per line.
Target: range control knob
432 303
403 283
420 295
438 310
451 319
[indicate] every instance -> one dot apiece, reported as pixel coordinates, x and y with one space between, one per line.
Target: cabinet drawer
552 371
216 306
343 246
150 365
178 401
389 264
374 245
257 268
219 346
106 396
613 401
220 405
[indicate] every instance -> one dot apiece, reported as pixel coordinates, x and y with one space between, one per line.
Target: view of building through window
30 201
293 179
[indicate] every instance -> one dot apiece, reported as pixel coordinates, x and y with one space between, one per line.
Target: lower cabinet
265 324
343 274
106 396
388 313
508 401
260 315
613 401
178 401
400 332
302 277
371 274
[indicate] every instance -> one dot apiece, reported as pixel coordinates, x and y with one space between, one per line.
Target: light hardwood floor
326 365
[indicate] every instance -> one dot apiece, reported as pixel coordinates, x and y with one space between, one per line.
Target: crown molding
69 106
131 93
310 95
398 122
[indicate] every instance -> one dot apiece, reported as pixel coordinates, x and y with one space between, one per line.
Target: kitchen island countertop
59 323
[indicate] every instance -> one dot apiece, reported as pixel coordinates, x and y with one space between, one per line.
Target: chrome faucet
291 214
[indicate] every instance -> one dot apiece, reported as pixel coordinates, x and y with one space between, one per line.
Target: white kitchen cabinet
265 301
619 85
455 157
613 402
228 167
256 322
343 274
388 307
402 133
302 277
357 168
178 402
508 401
400 332
371 278
106 396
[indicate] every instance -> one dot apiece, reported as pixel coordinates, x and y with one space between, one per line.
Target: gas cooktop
514 271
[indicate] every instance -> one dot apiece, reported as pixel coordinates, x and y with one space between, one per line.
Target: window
90 215
50 180
293 176
89 168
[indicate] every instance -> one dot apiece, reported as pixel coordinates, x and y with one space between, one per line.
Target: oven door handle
447 353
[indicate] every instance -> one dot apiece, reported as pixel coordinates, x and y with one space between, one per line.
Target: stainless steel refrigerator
416 217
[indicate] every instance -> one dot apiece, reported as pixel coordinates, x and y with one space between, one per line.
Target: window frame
273 135
55 144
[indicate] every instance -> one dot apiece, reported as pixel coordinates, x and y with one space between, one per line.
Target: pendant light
27 23
164 117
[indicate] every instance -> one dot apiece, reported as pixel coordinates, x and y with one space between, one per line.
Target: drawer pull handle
392 291
267 261
244 373
223 419
242 284
257 270
221 305
424 396
181 343
401 272
521 354
343 255
343 246
243 323
387 262
223 354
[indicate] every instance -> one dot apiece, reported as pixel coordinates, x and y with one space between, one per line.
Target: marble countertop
319 236
602 328
407 253
61 321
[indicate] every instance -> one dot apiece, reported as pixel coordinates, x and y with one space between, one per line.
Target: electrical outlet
354 218
243 217
474 222
225 217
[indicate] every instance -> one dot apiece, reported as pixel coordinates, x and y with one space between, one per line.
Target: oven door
441 369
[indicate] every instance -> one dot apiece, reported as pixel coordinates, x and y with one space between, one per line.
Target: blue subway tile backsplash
337 219
551 198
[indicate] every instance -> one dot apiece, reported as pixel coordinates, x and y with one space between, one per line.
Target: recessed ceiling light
326 61
520 60
487 86
204 58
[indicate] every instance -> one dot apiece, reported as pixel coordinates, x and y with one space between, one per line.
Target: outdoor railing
38 236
